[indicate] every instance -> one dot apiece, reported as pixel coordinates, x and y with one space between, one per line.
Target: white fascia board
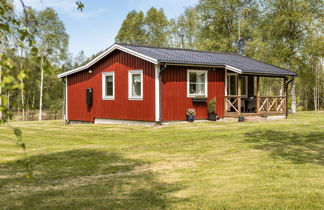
233 69
106 52
157 93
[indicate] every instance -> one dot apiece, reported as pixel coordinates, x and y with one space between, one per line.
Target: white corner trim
106 52
130 73
233 69
225 81
103 91
188 82
66 99
157 93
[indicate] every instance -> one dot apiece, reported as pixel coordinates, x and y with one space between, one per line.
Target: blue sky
95 28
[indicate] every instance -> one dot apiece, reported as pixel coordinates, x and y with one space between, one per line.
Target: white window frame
104 89
130 73
236 78
188 83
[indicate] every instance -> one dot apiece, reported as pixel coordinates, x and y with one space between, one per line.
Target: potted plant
191 113
199 99
211 109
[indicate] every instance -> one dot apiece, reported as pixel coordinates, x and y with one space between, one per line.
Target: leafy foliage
151 29
211 105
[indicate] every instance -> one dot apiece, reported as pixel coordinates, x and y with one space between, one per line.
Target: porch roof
195 57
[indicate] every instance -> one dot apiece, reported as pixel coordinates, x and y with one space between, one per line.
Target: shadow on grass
296 147
83 179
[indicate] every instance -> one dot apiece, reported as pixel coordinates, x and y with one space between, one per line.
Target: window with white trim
135 84
108 85
197 83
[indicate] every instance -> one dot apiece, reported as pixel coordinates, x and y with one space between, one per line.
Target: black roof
196 57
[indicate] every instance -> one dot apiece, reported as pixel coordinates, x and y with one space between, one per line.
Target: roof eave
103 54
292 74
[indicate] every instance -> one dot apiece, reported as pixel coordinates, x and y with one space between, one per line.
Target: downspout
160 92
286 89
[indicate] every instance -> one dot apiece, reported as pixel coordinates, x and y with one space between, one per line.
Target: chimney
182 41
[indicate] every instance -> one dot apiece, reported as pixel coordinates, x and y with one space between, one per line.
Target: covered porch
251 95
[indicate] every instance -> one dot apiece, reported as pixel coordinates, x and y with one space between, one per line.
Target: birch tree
51 41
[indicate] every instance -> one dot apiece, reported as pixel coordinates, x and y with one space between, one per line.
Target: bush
212 105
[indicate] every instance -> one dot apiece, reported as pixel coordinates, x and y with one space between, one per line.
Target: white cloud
65 7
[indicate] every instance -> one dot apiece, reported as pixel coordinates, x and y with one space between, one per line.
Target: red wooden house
143 83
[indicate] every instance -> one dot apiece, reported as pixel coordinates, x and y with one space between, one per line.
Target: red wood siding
174 93
121 107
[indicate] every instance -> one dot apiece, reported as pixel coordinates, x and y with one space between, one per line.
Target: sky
95 28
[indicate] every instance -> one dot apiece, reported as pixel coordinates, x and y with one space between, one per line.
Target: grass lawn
208 165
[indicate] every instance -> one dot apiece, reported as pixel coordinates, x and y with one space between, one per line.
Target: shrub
212 105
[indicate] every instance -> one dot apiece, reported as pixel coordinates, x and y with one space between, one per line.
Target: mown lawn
223 165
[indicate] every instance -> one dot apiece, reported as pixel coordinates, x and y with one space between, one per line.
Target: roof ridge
175 48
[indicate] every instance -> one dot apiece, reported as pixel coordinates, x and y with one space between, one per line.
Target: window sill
135 99
197 96
107 99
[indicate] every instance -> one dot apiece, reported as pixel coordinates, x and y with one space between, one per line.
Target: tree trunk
0 92
293 97
315 98
306 101
41 91
22 90
33 101
22 104
18 109
8 103
282 86
27 107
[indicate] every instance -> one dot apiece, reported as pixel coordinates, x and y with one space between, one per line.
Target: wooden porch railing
272 104
264 105
232 103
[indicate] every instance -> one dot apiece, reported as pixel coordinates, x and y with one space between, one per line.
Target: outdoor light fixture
90 71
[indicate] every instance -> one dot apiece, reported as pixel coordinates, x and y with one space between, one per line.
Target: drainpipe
160 90
286 89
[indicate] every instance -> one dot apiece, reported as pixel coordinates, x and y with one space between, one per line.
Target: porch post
258 95
239 94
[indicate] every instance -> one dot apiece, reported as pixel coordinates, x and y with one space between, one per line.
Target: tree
132 29
287 26
220 29
79 59
188 26
157 27
51 41
152 29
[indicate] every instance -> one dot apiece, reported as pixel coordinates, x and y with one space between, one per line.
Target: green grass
213 165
